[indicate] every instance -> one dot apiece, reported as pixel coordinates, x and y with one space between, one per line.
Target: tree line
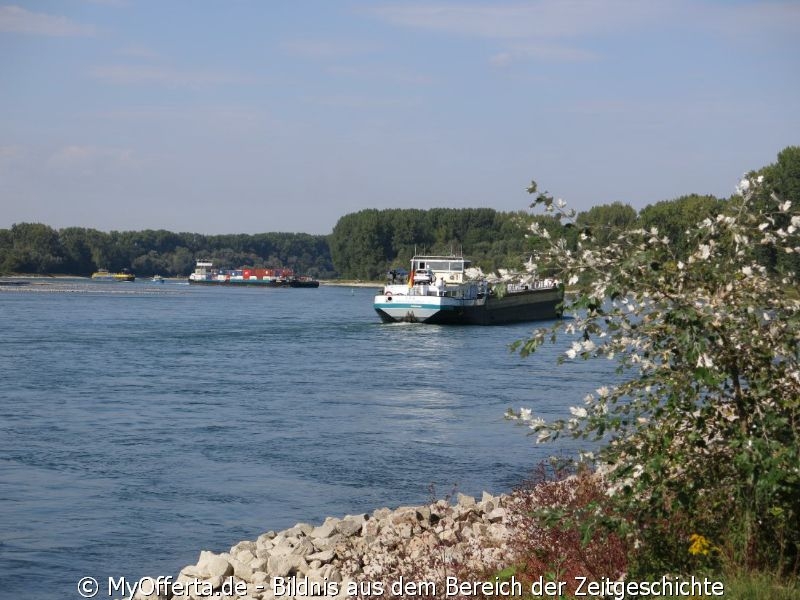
35 248
368 243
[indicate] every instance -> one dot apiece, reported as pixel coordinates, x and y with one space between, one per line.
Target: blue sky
248 116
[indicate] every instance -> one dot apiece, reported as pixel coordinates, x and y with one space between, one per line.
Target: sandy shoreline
22 280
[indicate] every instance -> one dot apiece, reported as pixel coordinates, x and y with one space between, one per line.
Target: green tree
676 218
606 221
182 261
359 245
783 180
76 244
34 248
368 243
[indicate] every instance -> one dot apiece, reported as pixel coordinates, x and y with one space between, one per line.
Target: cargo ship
105 275
440 292
206 274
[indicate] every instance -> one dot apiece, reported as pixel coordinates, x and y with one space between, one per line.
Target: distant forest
366 244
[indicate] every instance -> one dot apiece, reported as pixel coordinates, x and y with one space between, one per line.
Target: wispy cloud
573 18
115 3
160 75
14 19
542 30
542 52
360 102
749 19
543 18
85 161
318 49
561 30
383 74
228 116
8 152
140 52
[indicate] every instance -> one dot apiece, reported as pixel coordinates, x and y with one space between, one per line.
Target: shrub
701 438
562 528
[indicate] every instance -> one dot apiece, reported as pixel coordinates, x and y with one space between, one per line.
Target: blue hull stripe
391 305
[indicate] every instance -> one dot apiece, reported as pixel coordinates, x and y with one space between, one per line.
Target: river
141 423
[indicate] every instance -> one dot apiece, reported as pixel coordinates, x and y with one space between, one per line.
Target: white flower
578 411
704 251
525 414
786 206
536 423
748 271
681 266
602 391
743 187
573 351
705 360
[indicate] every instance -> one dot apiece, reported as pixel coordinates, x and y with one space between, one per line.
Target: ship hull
258 283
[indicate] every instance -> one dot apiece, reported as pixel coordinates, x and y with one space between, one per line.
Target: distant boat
439 292
205 274
105 275
157 279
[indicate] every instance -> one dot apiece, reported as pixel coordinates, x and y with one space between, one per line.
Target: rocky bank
356 553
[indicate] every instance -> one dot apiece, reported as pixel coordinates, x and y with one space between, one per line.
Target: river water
142 423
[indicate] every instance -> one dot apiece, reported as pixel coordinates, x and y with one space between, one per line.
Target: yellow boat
105 275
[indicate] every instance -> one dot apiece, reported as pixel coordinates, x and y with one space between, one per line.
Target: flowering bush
702 435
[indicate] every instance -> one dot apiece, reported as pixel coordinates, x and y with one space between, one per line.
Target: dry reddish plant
559 529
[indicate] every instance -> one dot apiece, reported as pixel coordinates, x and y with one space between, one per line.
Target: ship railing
539 284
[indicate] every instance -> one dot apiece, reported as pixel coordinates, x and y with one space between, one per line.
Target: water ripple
139 425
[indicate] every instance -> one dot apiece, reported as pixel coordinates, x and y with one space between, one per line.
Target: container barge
206 274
